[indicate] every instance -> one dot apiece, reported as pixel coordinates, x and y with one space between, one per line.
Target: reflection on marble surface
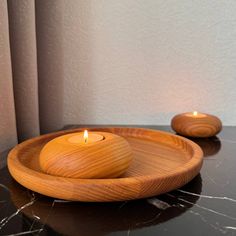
3 158
210 146
101 218
206 205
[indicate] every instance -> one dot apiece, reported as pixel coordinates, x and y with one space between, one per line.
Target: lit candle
196 124
85 137
92 154
195 114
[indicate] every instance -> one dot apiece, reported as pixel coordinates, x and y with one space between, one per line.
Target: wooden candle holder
197 125
108 158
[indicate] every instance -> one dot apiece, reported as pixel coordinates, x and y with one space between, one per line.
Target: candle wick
85 136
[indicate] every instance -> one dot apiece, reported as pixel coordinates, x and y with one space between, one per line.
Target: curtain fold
24 66
31 69
8 135
49 22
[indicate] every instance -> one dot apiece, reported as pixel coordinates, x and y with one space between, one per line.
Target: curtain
31 70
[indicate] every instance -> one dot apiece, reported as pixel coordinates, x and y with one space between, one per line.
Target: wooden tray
162 162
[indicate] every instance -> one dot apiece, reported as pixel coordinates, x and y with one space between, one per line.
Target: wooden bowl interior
151 156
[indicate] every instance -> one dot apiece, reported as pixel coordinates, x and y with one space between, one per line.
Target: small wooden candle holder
194 124
106 158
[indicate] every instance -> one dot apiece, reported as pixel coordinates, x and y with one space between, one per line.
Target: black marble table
205 206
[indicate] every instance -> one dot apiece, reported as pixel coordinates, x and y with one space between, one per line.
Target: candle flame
86 136
195 113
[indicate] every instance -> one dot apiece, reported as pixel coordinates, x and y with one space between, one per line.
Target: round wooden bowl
199 126
108 158
161 162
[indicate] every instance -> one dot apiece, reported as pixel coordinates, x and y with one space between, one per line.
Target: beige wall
141 62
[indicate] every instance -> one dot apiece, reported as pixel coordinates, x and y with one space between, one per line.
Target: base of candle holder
107 158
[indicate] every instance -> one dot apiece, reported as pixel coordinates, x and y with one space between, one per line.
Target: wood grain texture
161 162
108 158
203 126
